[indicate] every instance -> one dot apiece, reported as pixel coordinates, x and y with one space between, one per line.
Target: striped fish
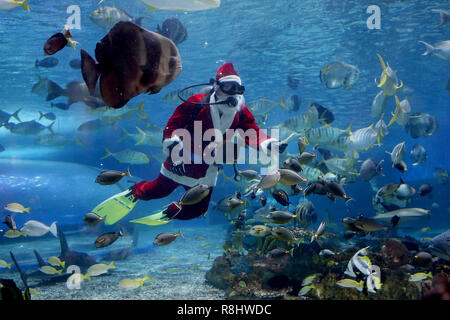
341 166
341 143
310 173
402 112
302 121
265 106
366 138
305 214
378 104
388 79
325 134
151 136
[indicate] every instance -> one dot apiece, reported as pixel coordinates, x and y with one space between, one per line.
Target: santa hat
227 73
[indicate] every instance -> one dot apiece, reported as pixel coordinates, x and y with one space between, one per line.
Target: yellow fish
420 276
13 234
50 270
100 268
16 207
56 262
130 284
4 264
349 283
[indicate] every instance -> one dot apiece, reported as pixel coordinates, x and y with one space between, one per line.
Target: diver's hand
177 167
281 146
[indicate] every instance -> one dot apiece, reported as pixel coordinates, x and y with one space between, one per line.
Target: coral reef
247 270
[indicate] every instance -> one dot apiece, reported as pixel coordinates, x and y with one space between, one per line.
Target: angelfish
131 61
363 264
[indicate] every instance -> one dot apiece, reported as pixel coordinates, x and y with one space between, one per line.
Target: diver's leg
161 187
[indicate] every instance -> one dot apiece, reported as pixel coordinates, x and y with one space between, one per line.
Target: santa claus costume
212 116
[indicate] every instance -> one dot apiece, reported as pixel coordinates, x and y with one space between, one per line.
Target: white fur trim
168 142
228 114
209 179
263 145
230 78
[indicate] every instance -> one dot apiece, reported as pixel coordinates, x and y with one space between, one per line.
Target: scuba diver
220 109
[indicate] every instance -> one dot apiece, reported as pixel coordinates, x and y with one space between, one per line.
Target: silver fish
128 156
107 16
369 169
418 154
440 49
339 74
27 128
405 214
397 153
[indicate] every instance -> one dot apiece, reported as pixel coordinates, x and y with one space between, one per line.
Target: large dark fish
174 30
131 60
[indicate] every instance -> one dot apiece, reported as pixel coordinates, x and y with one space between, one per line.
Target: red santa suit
220 117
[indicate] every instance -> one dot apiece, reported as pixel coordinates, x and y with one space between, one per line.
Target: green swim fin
156 219
161 217
116 207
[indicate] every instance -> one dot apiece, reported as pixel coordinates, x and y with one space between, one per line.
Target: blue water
267 41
